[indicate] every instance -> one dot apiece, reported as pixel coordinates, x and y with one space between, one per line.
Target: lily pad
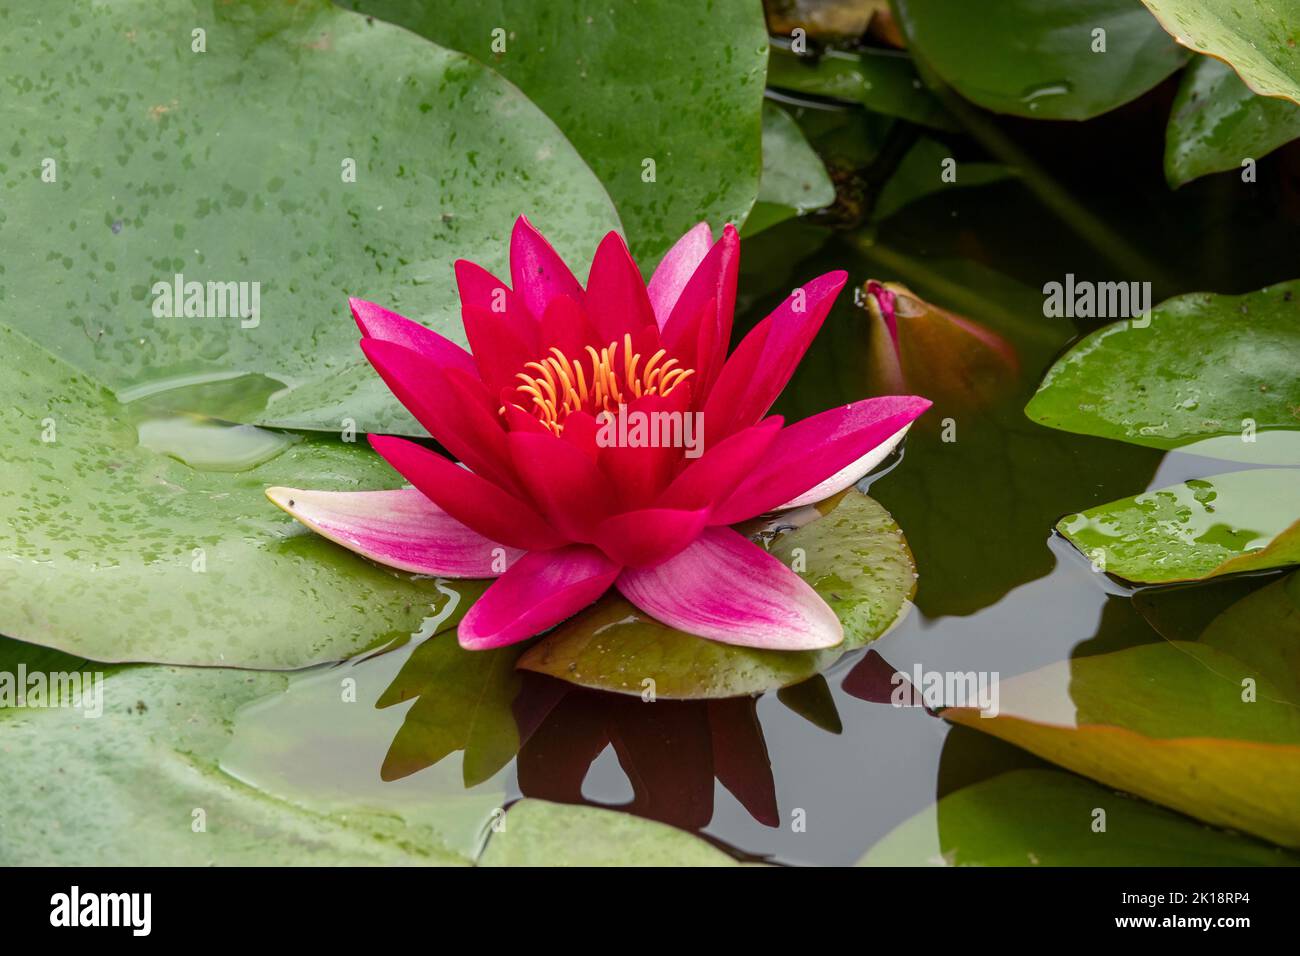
117 552
540 833
1259 40
141 785
854 556
1217 122
234 165
1045 818
883 81
794 179
1202 528
1036 58
677 84
1181 723
1206 374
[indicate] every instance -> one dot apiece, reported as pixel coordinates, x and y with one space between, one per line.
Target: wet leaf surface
230 166
1202 528
1258 38
625 85
1208 374
117 552
1218 122
1036 58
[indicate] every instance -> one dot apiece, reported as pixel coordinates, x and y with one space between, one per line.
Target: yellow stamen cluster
556 386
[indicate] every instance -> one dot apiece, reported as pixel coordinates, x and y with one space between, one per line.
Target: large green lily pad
1185 724
1258 38
1036 57
1046 818
541 833
1217 122
855 557
231 165
142 785
118 552
677 84
1204 373
1202 528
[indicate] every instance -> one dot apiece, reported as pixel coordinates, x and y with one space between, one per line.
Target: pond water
818 773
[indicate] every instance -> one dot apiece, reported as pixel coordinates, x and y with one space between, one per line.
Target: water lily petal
565 326
641 538
640 467
616 294
468 498
754 376
539 591
817 450
568 488
453 406
725 587
480 289
400 528
712 477
676 268
376 322
537 271
500 346
704 311
848 476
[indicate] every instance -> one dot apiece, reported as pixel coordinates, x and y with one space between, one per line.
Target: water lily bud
920 348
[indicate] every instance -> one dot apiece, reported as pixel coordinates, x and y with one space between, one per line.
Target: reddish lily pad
1191 725
1203 528
854 556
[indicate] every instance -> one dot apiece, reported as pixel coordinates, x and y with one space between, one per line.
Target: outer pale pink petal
637 539
676 268
537 271
725 587
401 528
815 450
851 475
471 500
376 322
538 592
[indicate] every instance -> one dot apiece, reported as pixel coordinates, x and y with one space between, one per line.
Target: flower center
557 386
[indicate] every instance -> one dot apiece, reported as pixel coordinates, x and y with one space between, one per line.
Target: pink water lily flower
558 503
